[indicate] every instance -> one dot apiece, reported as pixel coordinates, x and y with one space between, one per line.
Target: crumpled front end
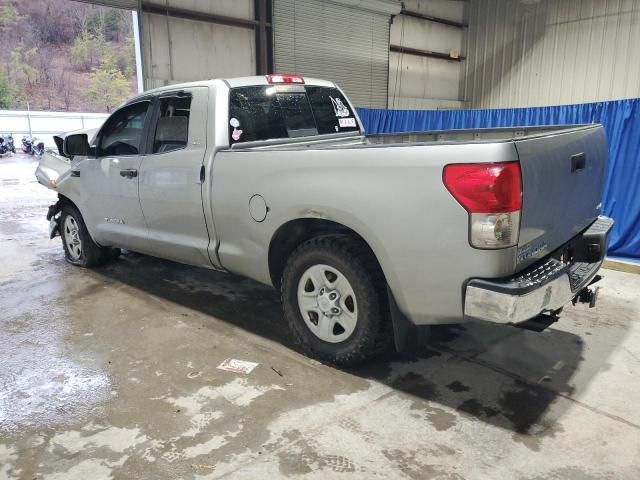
54 164
51 166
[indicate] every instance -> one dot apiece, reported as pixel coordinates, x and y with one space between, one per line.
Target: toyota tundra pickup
368 238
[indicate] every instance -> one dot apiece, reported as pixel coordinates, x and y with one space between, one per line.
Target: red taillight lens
285 78
485 187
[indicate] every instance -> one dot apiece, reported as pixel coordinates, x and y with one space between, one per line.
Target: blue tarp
621 120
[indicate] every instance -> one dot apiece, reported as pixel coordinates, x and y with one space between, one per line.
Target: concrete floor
111 373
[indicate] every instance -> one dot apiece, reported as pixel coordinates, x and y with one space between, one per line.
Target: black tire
373 332
91 254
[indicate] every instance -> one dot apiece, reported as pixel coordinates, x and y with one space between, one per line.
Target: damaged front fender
50 168
54 167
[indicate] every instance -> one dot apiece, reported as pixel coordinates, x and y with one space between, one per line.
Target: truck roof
232 83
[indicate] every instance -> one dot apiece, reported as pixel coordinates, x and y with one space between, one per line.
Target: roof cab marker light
285 78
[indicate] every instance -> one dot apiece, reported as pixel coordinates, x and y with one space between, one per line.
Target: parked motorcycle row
30 145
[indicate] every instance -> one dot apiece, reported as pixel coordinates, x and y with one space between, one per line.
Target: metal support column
262 39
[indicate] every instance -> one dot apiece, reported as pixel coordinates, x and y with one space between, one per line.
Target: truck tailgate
562 182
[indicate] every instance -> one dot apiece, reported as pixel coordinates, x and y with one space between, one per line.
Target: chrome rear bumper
544 288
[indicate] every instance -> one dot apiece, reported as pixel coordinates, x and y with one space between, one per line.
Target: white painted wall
417 82
177 50
46 124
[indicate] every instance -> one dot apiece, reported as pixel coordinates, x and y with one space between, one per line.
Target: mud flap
407 336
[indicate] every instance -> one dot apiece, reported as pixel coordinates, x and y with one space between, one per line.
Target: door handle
578 162
129 173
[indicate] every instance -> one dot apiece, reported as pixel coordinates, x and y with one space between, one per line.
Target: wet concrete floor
111 374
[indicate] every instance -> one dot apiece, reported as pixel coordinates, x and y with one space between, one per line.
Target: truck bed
403 139
472 134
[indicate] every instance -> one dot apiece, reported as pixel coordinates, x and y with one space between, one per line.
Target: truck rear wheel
79 247
334 300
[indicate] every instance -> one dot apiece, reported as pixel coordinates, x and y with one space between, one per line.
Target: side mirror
77 144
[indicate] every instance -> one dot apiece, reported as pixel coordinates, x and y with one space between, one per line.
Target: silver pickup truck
368 238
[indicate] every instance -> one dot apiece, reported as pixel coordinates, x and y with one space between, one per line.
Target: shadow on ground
501 375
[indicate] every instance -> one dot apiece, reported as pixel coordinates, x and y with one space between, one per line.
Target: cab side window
172 129
122 133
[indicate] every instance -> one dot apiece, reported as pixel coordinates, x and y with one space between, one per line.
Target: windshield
287 111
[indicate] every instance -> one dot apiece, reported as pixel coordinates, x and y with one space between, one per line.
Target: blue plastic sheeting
621 120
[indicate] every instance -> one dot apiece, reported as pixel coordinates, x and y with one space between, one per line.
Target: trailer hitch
587 295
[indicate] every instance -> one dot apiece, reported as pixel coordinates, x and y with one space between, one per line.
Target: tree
9 16
87 49
118 24
7 94
21 59
65 90
124 56
52 22
108 86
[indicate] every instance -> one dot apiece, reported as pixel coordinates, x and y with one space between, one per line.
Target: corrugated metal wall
327 40
549 52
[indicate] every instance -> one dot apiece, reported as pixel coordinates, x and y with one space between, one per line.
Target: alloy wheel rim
72 237
327 303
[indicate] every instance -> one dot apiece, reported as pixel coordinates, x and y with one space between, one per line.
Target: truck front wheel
334 300
79 247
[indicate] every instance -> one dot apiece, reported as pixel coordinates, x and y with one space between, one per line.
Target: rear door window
287 111
172 127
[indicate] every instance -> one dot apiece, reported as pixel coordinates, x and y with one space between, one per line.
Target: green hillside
64 55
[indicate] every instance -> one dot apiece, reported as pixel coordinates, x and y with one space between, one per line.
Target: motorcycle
32 146
37 148
27 145
6 145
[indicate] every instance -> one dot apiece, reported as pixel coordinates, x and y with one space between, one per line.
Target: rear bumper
543 288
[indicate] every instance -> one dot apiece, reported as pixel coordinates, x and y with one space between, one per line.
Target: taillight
485 187
492 194
285 78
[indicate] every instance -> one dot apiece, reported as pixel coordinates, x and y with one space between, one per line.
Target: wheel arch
56 208
65 200
295 232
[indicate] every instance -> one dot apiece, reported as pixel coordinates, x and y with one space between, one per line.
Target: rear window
287 111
